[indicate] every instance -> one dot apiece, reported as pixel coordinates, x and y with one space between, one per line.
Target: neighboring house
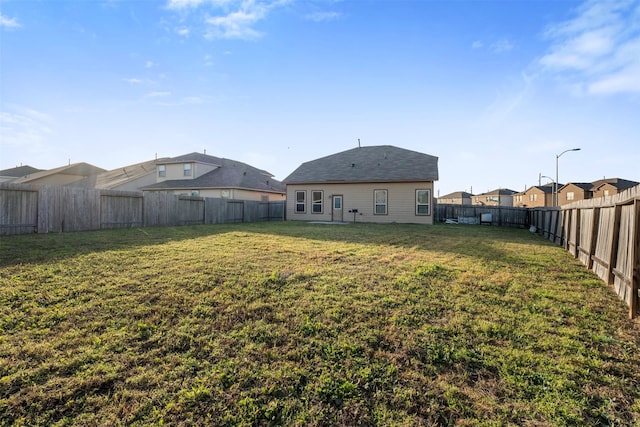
574 191
128 178
457 198
369 184
208 176
9 175
498 197
611 186
63 175
536 196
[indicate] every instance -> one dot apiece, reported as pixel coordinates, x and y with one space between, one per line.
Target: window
423 198
195 192
187 169
571 195
301 204
316 202
380 202
606 192
162 171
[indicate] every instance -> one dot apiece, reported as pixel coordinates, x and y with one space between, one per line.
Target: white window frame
427 204
315 203
162 171
377 204
571 195
302 203
187 169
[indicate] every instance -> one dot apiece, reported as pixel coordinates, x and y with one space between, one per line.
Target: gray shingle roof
383 163
457 195
229 174
19 171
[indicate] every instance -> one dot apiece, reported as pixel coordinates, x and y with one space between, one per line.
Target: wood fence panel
18 210
604 236
623 271
189 210
214 210
120 209
586 235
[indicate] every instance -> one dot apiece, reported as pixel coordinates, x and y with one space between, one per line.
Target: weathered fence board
44 209
603 234
505 216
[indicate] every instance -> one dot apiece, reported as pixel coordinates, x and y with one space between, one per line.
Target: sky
497 90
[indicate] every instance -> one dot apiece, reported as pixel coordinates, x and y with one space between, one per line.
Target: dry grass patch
310 324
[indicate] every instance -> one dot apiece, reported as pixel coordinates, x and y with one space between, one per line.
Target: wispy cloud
224 19
598 51
150 64
323 16
10 23
499 46
133 80
24 127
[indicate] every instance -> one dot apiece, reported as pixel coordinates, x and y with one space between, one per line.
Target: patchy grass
308 324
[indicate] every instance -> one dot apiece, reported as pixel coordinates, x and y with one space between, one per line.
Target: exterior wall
533 198
454 201
176 170
136 184
232 194
401 202
492 200
605 190
578 194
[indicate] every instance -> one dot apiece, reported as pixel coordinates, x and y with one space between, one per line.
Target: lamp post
557 157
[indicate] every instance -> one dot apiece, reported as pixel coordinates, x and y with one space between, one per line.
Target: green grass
303 324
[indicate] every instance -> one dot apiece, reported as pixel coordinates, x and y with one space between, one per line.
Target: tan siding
401 203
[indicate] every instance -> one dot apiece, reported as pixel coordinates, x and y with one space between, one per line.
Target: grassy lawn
308 324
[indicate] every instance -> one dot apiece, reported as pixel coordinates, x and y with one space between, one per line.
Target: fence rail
604 234
46 209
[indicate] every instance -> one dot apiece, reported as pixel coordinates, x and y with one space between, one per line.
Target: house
63 175
371 184
574 191
9 175
127 178
456 198
611 186
498 197
209 176
536 196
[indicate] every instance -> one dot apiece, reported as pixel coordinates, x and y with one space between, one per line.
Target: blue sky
495 89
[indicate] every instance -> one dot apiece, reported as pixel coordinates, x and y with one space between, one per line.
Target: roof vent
353 165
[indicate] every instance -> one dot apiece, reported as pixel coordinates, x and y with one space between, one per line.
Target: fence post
595 225
635 258
613 245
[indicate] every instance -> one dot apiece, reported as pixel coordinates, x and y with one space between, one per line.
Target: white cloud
10 23
598 51
323 16
24 127
149 64
237 24
133 81
501 46
224 19
157 94
477 44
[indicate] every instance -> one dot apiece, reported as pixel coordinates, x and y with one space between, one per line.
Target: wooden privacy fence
498 215
45 209
603 234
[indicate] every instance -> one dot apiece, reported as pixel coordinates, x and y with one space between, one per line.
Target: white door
336 212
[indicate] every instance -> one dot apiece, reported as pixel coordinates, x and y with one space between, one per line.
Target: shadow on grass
481 242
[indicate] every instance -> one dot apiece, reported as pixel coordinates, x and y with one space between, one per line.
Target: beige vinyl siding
401 202
232 194
176 171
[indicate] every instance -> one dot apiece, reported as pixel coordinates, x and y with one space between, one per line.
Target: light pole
557 157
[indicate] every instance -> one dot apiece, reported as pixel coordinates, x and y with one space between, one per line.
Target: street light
557 157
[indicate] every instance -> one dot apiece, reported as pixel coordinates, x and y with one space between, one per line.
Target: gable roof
19 171
620 184
120 176
382 163
498 192
586 186
457 195
228 174
77 169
